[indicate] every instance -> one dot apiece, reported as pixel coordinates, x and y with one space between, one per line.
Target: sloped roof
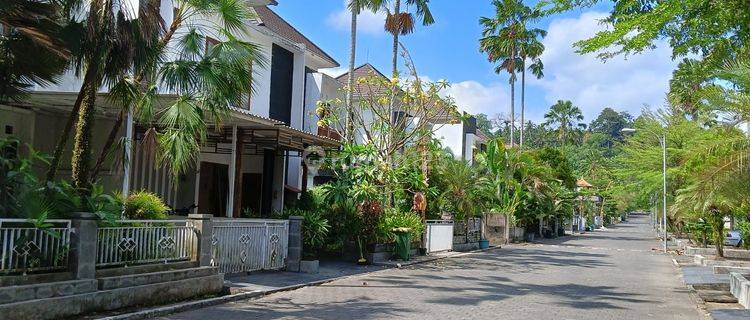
365 70
269 19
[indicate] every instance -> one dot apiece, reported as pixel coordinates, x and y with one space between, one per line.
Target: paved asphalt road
609 274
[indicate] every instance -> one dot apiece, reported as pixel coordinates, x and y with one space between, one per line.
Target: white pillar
232 173
128 161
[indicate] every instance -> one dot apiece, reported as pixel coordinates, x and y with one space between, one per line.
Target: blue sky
449 50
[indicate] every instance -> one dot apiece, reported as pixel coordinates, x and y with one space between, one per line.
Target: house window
282 73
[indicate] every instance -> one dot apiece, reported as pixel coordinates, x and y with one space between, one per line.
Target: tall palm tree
402 23
116 38
501 40
565 117
221 71
122 49
355 7
531 48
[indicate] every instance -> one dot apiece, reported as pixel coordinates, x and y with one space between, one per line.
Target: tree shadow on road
283 307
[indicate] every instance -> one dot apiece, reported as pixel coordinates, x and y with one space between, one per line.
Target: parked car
732 238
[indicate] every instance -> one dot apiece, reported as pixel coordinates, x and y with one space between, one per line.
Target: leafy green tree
690 77
610 123
565 117
716 30
484 124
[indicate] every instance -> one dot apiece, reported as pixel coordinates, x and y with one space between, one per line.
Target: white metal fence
242 245
439 235
25 248
131 242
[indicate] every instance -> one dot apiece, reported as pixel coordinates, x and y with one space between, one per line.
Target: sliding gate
242 245
439 235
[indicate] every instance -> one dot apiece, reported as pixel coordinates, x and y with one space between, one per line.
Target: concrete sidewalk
259 284
275 280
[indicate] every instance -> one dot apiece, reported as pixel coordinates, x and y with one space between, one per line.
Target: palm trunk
108 144
523 102
394 58
350 79
63 140
512 110
80 162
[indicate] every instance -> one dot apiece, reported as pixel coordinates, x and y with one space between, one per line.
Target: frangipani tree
419 109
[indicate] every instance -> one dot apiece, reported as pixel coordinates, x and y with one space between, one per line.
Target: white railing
439 235
242 245
25 248
131 242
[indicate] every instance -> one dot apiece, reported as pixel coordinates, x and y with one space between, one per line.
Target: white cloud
474 97
368 22
624 83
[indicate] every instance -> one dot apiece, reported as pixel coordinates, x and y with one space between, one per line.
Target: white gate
242 245
439 235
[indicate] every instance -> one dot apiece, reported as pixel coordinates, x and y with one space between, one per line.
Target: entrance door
251 193
213 189
269 161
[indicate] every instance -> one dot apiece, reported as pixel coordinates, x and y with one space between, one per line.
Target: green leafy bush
393 218
24 195
315 230
744 227
699 231
144 205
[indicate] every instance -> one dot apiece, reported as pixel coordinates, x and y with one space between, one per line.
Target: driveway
608 274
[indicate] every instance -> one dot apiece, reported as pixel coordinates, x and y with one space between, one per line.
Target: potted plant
314 231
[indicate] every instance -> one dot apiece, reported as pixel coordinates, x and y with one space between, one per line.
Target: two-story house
250 163
462 138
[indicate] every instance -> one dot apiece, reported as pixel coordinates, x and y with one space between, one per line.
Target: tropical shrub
315 230
393 218
744 227
24 195
144 205
699 231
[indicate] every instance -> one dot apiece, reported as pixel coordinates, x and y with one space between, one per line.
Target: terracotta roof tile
365 70
269 19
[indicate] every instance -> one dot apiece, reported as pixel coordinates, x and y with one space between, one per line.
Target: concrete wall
740 288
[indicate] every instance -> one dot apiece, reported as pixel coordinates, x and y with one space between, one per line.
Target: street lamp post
663 142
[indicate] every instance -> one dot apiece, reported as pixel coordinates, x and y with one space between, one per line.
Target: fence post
294 255
82 258
204 229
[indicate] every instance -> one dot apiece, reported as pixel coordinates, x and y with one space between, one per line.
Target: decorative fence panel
26 248
242 245
439 235
131 242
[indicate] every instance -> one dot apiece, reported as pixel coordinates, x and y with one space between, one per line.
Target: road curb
434 258
250 295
